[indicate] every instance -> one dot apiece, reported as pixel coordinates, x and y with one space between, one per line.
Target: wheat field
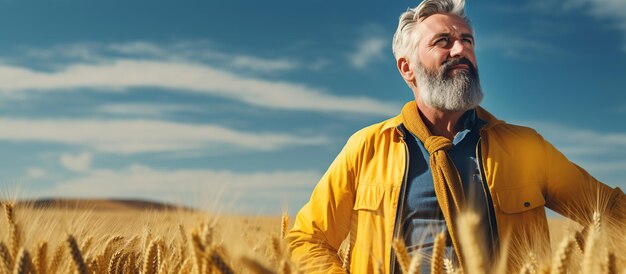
78 240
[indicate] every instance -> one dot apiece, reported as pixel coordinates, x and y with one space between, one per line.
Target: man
411 176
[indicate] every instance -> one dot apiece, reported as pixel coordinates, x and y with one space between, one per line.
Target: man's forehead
444 23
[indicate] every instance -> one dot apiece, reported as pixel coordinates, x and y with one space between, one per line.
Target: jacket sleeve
574 193
324 222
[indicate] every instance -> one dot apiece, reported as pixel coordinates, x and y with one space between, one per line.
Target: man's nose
458 49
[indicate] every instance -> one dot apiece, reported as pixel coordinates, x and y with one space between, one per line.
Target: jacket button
527 204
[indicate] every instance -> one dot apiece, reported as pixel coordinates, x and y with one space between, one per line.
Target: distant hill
100 204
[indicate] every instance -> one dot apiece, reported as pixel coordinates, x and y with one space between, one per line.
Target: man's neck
440 123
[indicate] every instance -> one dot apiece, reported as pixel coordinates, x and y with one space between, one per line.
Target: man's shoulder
502 129
515 134
376 130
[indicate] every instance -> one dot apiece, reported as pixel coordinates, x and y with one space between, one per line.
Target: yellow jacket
358 195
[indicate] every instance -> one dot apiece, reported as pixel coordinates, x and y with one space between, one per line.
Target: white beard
459 92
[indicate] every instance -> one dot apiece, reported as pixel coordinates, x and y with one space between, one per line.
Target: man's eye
442 42
468 41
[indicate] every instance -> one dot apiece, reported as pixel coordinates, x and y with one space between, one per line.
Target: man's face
443 37
445 72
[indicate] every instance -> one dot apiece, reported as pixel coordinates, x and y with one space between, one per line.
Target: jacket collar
481 113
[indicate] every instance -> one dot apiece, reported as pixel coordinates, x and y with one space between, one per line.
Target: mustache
448 64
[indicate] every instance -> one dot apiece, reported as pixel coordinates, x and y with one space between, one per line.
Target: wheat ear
436 264
77 257
284 225
402 255
198 250
448 266
151 262
255 266
8 213
580 241
611 267
14 239
277 247
207 235
86 245
592 248
415 266
7 259
41 258
217 260
92 265
471 243
187 266
23 263
56 258
563 254
114 263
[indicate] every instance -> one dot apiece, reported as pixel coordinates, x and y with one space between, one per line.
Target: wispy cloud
176 185
611 11
35 173
143 136
368 50
76 162
182 51
260 64
186 76
517 47
146 109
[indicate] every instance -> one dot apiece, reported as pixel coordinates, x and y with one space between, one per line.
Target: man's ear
405 70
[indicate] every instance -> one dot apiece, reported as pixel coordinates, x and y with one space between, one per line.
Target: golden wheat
160 243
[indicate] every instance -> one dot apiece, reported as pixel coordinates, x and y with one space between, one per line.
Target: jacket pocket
520 199
368 197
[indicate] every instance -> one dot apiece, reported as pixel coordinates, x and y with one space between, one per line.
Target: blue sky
242 105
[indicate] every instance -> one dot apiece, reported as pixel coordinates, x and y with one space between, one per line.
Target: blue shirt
422 218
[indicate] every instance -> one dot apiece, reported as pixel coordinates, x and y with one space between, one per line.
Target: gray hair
405 39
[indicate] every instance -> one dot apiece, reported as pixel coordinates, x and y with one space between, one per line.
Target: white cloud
35 173
263 65
77 163
142 136
139 48
121 74
368 50
146 109
192 186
